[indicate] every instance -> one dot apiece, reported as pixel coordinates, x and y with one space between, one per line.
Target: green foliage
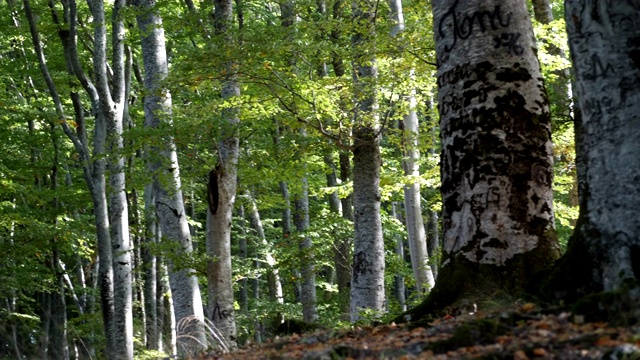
282 96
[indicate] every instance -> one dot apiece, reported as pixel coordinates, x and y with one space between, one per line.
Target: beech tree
222 187
367 282
604 250
162 162
416 232
497 159
106 92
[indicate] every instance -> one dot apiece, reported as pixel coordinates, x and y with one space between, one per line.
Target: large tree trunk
162 162
604 250
497 162
222 192
367 283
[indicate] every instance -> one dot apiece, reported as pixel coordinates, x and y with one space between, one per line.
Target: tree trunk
433 240
308 294
149 261
121 242
243 292
162 161
398 280
412 200
94 166
604 250
58 344
367 282
343 245
286 233
273 278
497 162
542 11
222 193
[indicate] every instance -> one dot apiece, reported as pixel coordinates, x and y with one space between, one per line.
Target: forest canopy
185 175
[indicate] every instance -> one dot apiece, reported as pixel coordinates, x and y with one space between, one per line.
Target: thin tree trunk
58 344
150 264
243 292
343 245
94 166
412 200
433 240
308 295
398 280
273 278
286 233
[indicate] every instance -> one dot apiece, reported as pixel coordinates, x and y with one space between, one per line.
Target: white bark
94 165
367 283
222 193
497 152
111 105
308 294
412 200
413 206
605 45
273 278
162 162
149 260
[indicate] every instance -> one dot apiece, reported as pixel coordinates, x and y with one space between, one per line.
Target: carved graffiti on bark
465 25
219 313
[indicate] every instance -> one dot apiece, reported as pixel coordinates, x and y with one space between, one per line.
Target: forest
181 177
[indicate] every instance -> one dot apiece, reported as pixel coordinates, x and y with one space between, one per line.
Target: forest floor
519 332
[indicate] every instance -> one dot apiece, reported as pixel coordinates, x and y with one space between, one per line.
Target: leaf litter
518 333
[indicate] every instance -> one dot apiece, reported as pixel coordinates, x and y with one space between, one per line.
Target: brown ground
517 333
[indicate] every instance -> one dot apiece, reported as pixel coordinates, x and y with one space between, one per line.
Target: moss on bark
463 283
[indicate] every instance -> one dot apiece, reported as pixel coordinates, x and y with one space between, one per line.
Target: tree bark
273 278
243 292
542 11
412 200
308 294
162 162
604 250
398 280
93 165
58 344
497 162
367 282
343 245
149 261
222 192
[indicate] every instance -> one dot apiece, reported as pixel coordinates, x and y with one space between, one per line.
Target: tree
162 162
222 187
367 282
497 159
107 95
604 250
412 201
